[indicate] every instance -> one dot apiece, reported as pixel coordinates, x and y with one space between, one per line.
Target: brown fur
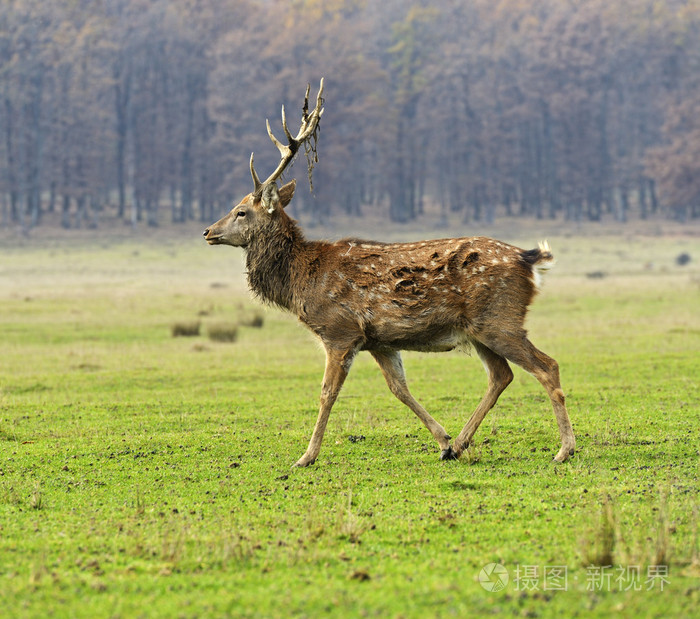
429 296
364 295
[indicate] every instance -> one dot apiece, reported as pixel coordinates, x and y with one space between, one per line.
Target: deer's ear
270 197
287 193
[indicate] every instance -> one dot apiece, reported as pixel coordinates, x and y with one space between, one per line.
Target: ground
147 475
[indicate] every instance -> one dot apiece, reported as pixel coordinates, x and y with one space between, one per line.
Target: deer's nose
205 233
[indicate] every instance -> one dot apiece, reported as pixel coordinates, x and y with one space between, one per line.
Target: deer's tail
540 260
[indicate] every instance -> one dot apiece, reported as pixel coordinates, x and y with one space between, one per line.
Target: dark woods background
147 110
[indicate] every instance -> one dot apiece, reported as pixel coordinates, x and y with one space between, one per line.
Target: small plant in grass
10 496
223 331
472 453
140 503
233 547
186 328
600 549
350 525
38 570
36 501
695 547
661 554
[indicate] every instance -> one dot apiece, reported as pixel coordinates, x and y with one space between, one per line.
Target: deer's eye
240 214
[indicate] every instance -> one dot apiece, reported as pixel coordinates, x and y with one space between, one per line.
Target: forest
146 111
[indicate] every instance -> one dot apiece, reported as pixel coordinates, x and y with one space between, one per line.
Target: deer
385 298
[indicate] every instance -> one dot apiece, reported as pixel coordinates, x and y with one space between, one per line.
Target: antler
309 124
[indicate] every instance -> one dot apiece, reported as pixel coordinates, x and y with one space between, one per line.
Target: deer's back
427 295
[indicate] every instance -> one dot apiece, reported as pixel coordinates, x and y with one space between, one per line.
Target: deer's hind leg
392 368
500 375
520 350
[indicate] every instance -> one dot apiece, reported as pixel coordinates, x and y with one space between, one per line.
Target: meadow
146 475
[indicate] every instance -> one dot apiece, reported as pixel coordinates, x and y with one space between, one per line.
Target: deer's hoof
302 462
564 454
448 454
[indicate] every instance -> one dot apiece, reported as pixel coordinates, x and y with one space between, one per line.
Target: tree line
147 110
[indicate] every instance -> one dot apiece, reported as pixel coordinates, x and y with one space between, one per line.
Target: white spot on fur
537 278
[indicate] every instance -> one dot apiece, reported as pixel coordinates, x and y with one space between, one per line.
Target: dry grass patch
255 320
186 328
223 331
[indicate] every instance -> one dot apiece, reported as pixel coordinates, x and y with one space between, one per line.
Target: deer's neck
271 259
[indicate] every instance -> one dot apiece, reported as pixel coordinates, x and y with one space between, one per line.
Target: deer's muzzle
211 237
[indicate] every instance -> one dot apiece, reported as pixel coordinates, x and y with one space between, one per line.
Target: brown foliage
546 109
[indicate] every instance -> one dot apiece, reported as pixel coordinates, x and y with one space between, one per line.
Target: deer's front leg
338 364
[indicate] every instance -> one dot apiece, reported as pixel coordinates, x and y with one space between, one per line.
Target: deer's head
250 216
266 203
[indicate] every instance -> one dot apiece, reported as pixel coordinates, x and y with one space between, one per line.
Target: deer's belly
430 340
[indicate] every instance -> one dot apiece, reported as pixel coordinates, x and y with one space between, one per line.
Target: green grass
143 475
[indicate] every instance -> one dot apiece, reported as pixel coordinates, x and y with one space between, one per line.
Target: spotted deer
354 295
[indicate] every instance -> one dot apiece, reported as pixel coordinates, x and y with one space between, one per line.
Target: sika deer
358 295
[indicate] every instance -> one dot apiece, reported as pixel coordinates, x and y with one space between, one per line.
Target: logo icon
493 577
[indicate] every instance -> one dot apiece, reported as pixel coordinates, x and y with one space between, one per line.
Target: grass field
145 475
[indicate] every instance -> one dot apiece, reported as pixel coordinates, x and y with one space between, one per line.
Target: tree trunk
11 161
65 212
122 104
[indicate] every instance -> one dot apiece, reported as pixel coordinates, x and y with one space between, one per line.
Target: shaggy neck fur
270 259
